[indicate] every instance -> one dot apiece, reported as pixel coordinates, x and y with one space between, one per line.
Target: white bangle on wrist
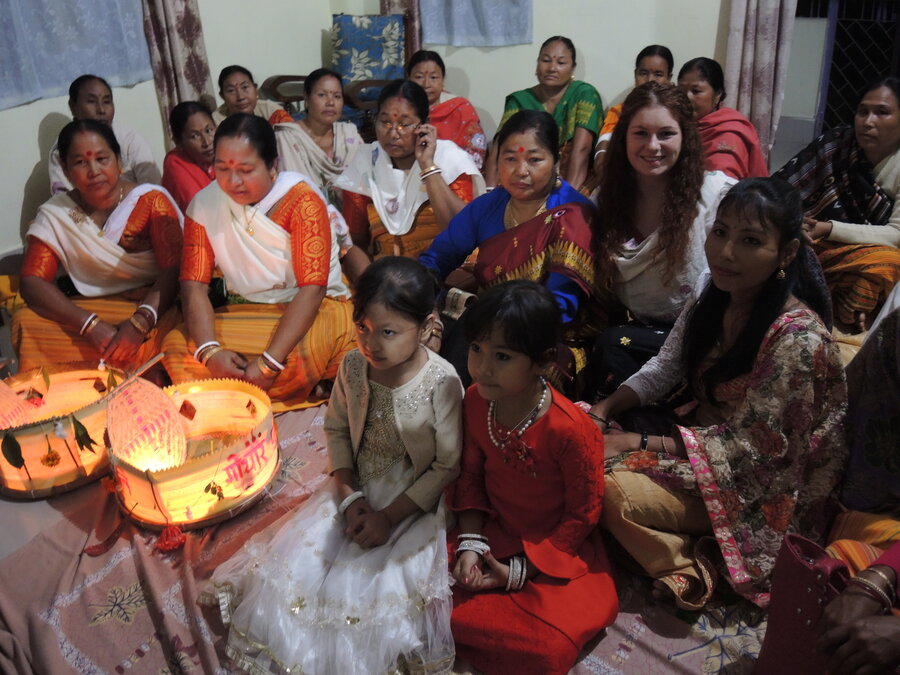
348 500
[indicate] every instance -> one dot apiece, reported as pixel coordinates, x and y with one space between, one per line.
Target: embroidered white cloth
258 266
398 194
91 255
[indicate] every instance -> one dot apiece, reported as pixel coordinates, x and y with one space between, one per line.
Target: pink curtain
409 8
759 46
177 54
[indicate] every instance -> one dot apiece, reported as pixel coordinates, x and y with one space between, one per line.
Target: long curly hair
619 190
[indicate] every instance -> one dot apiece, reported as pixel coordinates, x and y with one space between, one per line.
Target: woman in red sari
188 167
534 225
453 116
730 141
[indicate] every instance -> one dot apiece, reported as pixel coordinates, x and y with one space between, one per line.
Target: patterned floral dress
767 458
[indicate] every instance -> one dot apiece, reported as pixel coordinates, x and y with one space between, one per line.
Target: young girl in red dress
533 584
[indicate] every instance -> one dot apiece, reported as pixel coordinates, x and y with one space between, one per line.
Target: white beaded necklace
521 427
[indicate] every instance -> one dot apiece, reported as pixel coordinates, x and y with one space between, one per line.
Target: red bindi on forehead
231 162
521 149
89 154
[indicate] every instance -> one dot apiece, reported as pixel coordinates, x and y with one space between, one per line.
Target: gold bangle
209 352
92 324
140 328
264 367
433 167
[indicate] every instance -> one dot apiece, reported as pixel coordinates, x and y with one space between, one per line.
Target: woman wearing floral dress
763 450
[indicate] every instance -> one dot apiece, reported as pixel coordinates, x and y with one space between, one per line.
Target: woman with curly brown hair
656 206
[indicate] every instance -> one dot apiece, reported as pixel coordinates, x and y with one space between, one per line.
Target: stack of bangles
477 543
268 365
518 570
144 319
89 324
205 352
886 595
430 171
348 500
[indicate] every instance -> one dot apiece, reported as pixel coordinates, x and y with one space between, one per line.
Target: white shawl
257 266
638 278
297 151
91 255
397 194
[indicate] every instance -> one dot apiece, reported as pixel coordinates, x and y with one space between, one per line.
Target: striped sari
836 182
872 482
151 224
266 253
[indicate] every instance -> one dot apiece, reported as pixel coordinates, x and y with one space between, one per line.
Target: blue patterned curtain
45 44
476 23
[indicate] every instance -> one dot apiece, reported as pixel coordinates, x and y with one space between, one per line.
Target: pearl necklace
521 427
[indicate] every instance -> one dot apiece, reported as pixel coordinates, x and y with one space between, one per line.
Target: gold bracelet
92 324
264 367
140 328
433 167
209 352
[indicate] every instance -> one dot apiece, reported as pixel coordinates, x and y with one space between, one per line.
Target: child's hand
353 516
467 570
495 576
374 530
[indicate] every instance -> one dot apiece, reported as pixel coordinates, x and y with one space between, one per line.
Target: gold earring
780 275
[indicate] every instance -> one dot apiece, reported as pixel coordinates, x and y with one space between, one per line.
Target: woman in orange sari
453 116
120 245
401 191
287 322
849 179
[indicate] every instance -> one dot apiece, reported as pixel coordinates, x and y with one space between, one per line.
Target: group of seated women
691 280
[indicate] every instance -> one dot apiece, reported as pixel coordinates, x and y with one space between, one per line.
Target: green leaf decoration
82 437
46 377
111 382
12 451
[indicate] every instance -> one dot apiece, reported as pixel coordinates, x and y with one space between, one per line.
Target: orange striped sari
247 328
152 224
836 182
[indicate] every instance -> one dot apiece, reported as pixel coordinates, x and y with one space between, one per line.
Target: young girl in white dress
356 580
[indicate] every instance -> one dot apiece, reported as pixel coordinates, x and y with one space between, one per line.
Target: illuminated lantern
52 430
201 452
153 437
